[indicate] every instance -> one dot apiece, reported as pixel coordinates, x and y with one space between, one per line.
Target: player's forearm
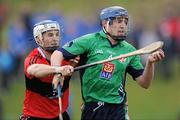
41 70
56 58
148 74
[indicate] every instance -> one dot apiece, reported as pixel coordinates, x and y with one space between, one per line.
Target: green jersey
104 82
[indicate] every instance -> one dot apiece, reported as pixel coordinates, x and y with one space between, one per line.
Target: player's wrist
150 62
57 70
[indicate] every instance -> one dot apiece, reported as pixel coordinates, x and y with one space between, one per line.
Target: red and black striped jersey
36 104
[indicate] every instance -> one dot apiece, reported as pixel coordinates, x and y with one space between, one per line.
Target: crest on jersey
122 60
107 71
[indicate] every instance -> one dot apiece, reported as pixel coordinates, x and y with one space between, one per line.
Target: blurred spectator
86 26
18 36
169 31
164 35
76 26
6 67
141 35
26 17
147 37
136 33
3 21
5 56
69 31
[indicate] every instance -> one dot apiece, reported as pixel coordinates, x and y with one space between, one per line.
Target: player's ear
39 40
103 23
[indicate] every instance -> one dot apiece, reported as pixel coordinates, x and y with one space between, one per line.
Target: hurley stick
145 50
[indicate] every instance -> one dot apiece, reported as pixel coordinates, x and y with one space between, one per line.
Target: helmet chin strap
50 49
116 38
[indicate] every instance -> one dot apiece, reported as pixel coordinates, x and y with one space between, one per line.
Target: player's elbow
144 83
145 86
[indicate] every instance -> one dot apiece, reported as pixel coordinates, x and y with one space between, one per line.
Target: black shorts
64 115
103 111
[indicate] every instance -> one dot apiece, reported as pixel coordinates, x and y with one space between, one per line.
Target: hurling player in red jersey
41 100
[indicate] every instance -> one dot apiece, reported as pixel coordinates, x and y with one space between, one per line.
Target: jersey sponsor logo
111 52
107 70
99 51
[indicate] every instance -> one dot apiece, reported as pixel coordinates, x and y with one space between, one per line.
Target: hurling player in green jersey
103 85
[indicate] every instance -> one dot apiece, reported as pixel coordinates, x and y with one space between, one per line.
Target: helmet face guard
109 14
42 27
50 49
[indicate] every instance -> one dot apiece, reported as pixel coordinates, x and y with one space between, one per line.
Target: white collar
41 52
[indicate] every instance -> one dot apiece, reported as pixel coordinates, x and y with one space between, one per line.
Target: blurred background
150 20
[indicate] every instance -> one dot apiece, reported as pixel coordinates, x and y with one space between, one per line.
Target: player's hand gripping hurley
145 50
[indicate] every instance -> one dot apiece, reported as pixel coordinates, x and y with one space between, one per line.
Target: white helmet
42 27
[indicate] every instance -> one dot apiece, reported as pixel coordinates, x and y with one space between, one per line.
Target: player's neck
46 54
113 42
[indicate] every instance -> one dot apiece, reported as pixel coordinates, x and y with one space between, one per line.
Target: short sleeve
135 68
76 47
29 61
